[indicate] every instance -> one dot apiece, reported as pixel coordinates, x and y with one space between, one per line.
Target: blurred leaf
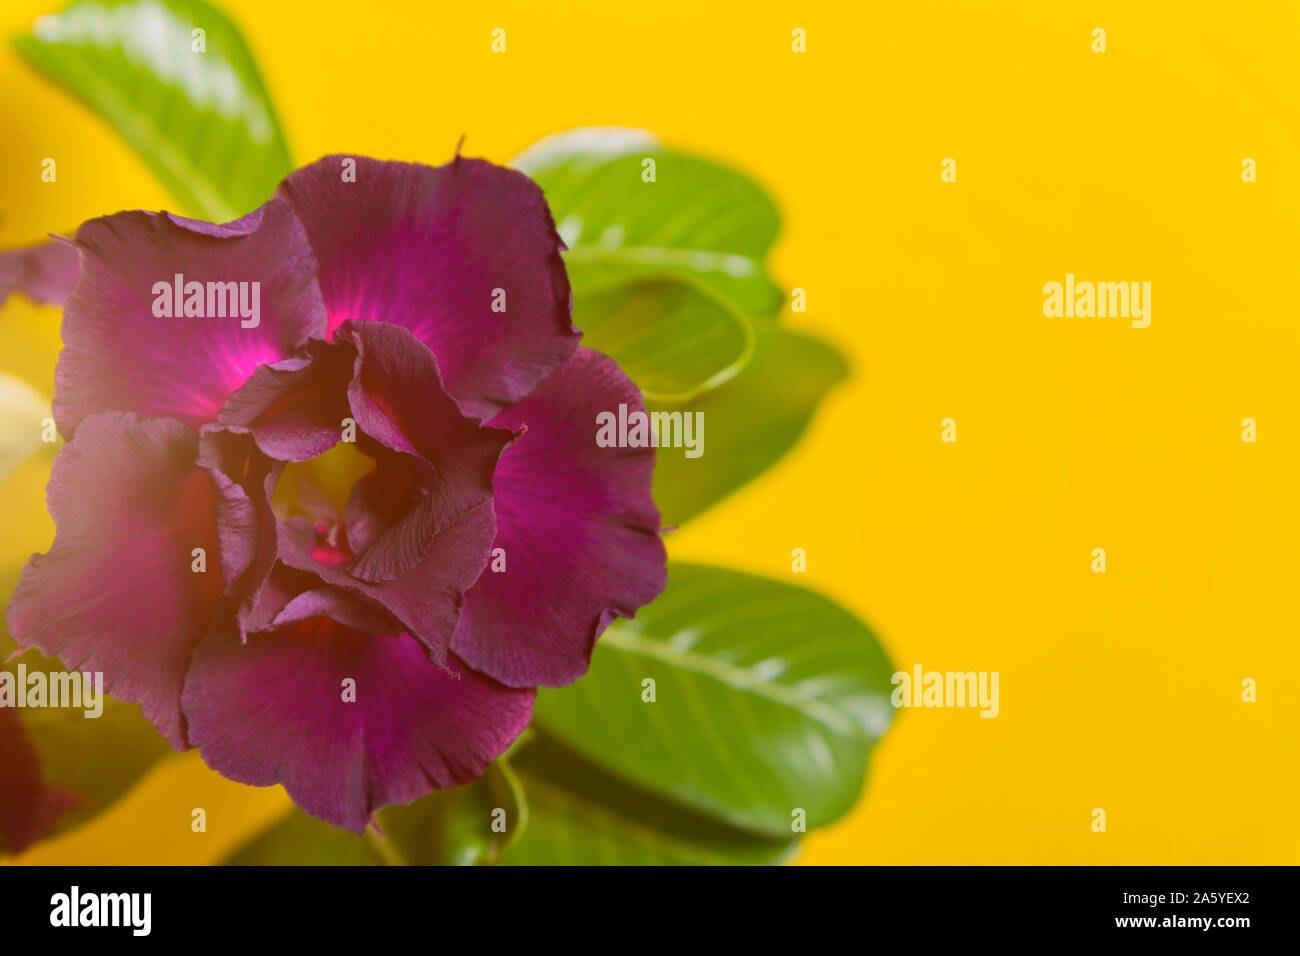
94 759
768 698
697 220
671 337
752 421
455 827
581 816
28 805
297 839
448 827
203 121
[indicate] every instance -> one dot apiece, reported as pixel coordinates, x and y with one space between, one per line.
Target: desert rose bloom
361 311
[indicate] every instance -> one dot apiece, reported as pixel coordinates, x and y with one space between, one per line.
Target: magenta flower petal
337 604
45 272
119 355
116 592
230 452
397 398
27 806
273 711
290 595
418 528
426 248
296 407
428 598
579 529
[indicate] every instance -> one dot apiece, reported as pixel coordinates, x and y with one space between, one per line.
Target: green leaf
752 421
94 759
203 121
768 700
672 338
581 816
297 839
697 220
456 827
448 827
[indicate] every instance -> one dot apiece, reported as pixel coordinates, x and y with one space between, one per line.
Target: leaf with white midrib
581 815
739 679
671 336
203 121
698 219
768 699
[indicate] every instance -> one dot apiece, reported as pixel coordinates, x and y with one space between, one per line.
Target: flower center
319 488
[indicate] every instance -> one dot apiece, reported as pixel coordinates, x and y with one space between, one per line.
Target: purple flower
367 657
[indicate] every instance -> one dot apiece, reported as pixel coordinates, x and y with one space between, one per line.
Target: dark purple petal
290 595
336 604
118 355
273 711
230 454
295 408
116 592
236 529
428 598
379 501
45 272
418 527
27 806
434 464
579 529
425 248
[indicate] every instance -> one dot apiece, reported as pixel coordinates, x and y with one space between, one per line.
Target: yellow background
1119 691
